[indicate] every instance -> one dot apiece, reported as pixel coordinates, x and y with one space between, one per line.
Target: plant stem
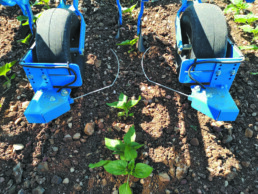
128 178
7 78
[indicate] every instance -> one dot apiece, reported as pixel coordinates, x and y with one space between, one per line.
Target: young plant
249 18
124 105
249 47
129 9
250 29
254 73
126 165
4 70
237 6
129 43
26 40
42 2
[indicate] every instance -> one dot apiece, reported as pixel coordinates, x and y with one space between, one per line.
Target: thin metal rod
118 66
156 82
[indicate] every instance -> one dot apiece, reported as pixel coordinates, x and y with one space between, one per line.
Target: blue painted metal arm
140 18
119 12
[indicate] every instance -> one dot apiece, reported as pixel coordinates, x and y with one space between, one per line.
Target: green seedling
4 70
126 165
249 47
25 20
254 73
124 105
42 2
237 7
128 9
193 127
129 43
26 40
250 29
249 18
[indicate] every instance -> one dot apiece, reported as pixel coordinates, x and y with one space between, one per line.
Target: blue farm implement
55 62
207 60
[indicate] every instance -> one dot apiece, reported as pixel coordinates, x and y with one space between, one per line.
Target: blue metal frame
213 99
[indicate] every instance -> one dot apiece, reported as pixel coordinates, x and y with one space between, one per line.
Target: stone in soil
12 190
67 138
56 180
183 182
42 167
66 181
18 147
249 133
231 176
38 190
227 139
77 136
163 177
17 172
21 191
55 149
89 128
25 104
181 171
194 142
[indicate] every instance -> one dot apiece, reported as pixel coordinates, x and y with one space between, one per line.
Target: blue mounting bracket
214 102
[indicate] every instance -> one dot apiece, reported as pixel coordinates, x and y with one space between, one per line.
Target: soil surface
190 152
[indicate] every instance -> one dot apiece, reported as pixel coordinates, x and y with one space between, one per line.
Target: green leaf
252 73
237 2
22 18
131 114
35 18
231 8
114 144
130 153
128 10
117 167
247 28
136 145
122 156
132 103
26 40
128 42
99 164
125 189
6 68
130 136
120 114
131 166
249 47
122 97
13 76
249 18
113 104
142 170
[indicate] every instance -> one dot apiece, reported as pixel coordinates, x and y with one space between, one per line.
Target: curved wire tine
156 82
118 66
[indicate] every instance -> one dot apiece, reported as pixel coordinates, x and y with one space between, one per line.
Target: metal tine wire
118 66
156 82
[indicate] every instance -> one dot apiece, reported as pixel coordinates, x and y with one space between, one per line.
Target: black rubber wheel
55 30
204 27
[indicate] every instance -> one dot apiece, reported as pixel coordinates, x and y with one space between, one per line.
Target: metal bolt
233 72
64 92
218 72
197 88
52 98
30 76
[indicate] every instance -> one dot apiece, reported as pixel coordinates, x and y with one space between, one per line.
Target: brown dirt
187 145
